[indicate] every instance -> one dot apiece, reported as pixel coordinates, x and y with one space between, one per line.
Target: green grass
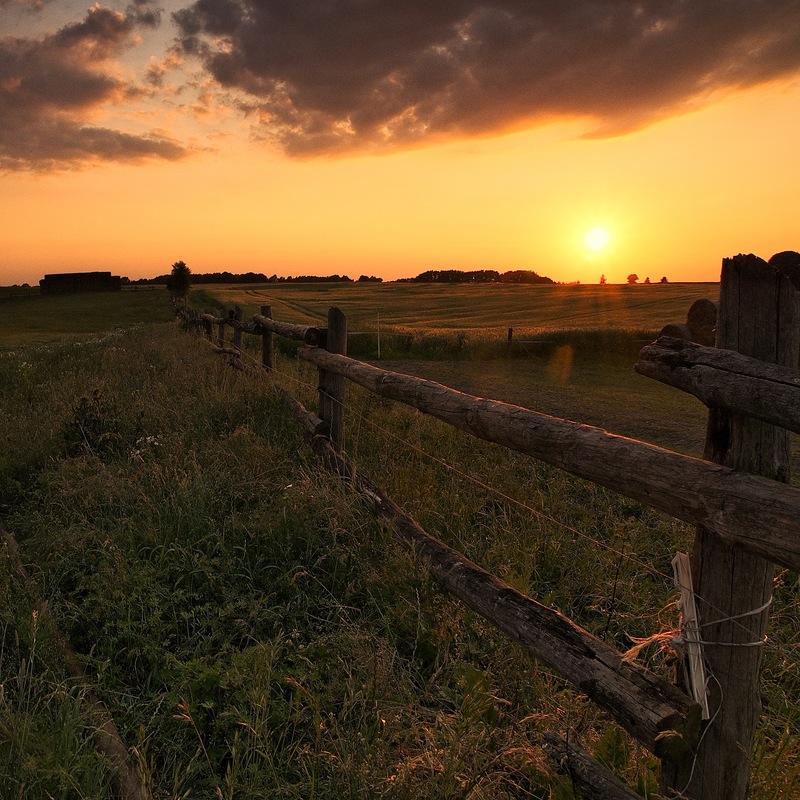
252 628
38 319
249 625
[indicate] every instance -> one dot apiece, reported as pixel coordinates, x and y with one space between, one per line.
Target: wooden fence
747 517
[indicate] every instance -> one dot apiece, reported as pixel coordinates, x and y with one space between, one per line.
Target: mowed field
487 310
484 308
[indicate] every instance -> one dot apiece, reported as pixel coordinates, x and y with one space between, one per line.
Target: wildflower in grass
144 446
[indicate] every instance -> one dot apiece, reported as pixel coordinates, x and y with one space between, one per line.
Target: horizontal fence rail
302 333
725 378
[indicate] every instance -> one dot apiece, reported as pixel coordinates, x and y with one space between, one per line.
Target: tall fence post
335 384
238 315
267 342
221 332
758 317
332 386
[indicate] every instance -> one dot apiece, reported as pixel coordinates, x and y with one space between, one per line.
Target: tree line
252 277
478 276
429 276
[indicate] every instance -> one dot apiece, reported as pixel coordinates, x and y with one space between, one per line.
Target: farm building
62 282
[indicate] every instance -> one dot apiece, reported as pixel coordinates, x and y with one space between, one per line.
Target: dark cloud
341 75
56 145
49 87
29 5
144 13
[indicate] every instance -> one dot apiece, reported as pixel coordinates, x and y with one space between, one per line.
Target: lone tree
633 277
179 281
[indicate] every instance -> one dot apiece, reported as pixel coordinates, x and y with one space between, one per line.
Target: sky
389 137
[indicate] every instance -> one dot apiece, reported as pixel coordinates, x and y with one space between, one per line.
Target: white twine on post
754 612
682 570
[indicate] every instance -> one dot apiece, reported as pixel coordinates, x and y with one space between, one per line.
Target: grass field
578 366
486 309
252 628
36 319
480 311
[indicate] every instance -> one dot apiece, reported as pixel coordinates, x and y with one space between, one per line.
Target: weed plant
256 633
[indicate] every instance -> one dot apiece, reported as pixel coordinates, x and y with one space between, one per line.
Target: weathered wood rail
726 379
755 518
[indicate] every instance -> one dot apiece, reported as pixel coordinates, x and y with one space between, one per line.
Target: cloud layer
349 76
329 76
51 87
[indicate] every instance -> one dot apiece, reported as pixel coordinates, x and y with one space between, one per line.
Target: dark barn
60 283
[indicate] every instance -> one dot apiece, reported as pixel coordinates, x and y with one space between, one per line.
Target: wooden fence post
324 400
237 316
221 332
331 385
759 317
207 329
267 339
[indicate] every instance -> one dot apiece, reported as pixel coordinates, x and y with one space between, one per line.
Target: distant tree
602 280
179 281
633 278
664 280
480 276
647 280
527 276
318 279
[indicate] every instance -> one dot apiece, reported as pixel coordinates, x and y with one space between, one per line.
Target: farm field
580 366
255 632
36 319
485 309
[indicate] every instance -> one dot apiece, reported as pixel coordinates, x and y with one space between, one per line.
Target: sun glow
597 239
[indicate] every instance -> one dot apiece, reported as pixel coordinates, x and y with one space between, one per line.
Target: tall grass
256 633
401 342
245 620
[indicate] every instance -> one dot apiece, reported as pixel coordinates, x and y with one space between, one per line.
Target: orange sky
123 150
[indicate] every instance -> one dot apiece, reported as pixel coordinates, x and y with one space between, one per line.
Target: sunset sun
597 239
